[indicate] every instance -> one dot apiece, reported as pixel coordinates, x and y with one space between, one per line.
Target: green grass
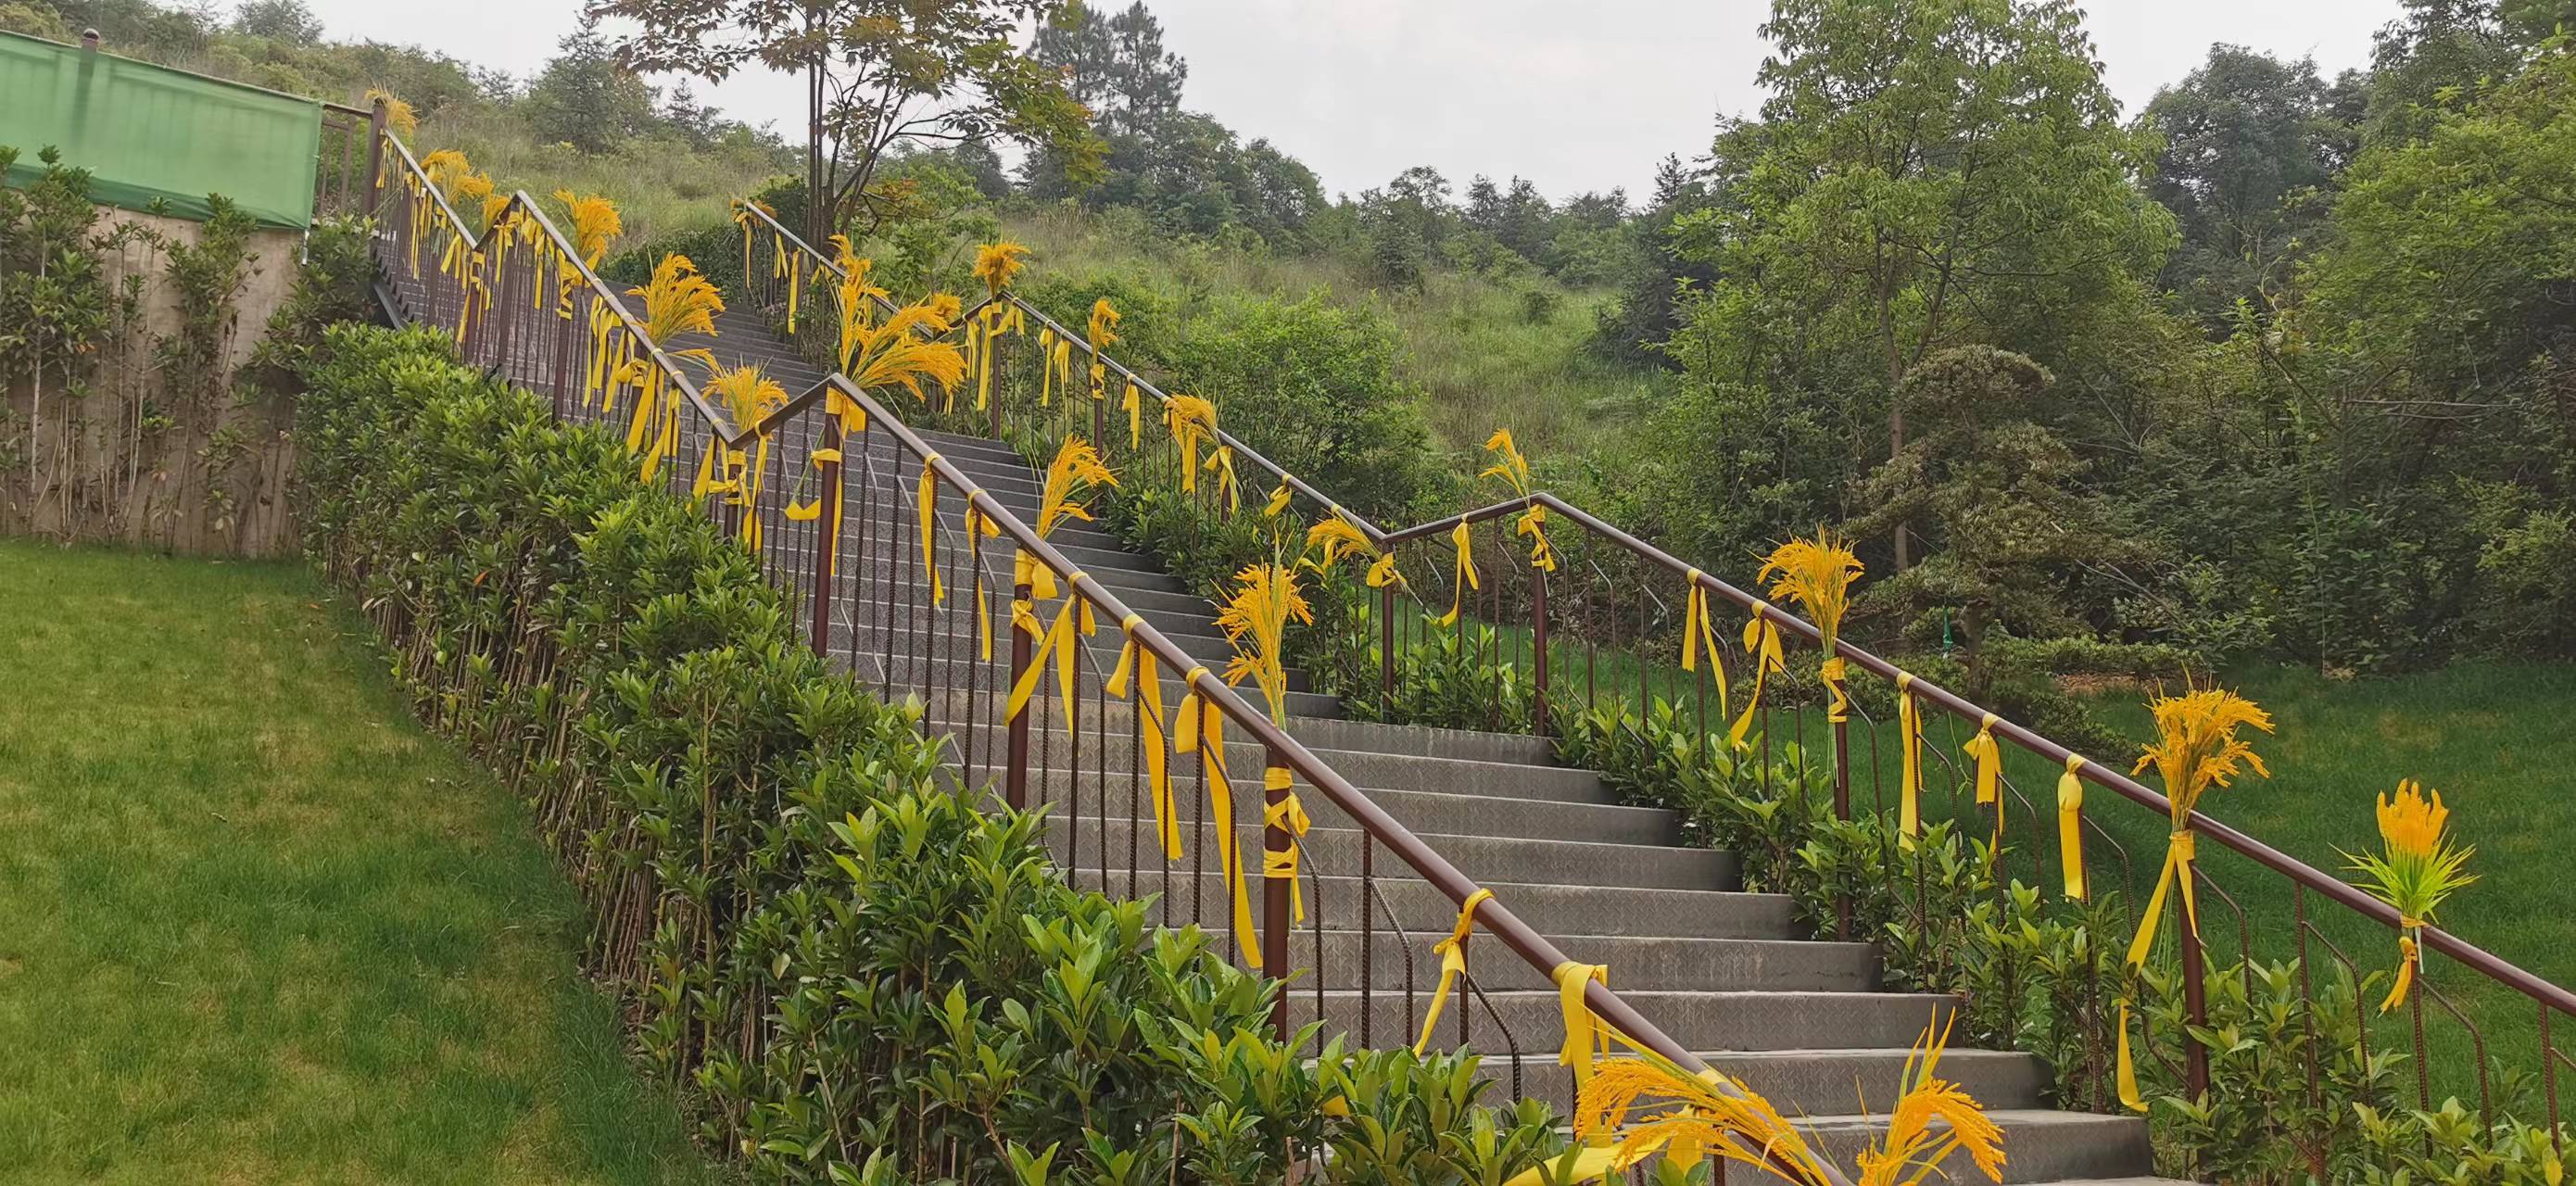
260 926
661 185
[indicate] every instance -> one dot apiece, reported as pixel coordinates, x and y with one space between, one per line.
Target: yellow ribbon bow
1453 960
1289 814
977 524
1137 662
2070 826
1466 575
1990 769
1762 642
1909 738
1585 1037
1202 731
1699 630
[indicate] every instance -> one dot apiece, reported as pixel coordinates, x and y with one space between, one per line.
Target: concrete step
1533 796
939 662
1637 964
1405 901
1114 759
1759 1020
1835 1082
1376 737
1481 858
2039 1145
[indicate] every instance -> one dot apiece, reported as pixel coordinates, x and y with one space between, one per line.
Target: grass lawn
260 927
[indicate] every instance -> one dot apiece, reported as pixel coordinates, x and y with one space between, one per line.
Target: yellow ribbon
1990 769
1278 502
1289 814
1466 575
1762 642
1833 671
1585 1037
1053 643
2177 867
976 522
1202 731
1046 365
1534 525
1134 660
2410 954
1909 737
2070 826
1699 629
926 501
1453 960
1383 573
1135 402
1222 461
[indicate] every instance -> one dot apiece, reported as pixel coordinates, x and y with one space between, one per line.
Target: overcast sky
1574 96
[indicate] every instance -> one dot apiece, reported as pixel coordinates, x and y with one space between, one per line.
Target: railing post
1540 723
827 539
1386 649
1276 892
1015 760
375 155
1842 811
2195 1005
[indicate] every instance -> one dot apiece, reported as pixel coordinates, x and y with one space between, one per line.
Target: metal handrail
2333 888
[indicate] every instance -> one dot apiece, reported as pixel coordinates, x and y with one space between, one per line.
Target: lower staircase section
1729 974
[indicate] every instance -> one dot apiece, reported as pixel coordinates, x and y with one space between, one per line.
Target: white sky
1572 96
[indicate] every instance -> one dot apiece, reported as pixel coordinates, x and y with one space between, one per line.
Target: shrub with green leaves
851 972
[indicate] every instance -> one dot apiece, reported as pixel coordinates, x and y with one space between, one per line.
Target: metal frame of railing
1554 635
883 501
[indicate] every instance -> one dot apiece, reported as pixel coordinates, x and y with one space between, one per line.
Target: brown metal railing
907 571
1603 632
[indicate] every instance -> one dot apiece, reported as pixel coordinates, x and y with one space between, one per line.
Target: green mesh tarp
145 132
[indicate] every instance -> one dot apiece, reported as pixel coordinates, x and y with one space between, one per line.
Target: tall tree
1927 172
879 74
1116 66
586 99
2243 135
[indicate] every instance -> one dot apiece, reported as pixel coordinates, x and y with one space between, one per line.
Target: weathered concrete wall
137 459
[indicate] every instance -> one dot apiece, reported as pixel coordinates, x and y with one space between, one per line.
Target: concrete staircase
1727 973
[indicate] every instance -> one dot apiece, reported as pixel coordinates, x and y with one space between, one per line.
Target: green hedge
850 973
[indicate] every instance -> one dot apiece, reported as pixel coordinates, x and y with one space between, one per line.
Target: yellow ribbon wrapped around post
1453 960
1137 663
1762 642
1135 404
1699 629
2177 867
1909 738
1990 769
1052 642
1465 578
1586 1039
977 524
1834 671
1288 814
1202 731
926 500
2410 954
1222 461
2070 826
